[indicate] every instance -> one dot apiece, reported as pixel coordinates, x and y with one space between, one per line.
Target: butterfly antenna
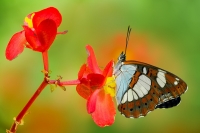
127 38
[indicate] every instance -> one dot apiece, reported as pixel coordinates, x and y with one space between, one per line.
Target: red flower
98 87
40 29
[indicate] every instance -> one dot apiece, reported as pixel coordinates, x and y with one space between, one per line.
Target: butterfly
142 87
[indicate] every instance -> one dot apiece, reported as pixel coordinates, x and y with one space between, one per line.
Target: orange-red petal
91 103
48 13
15 45
104 114
83 90
96 80
108 70
42 38
46 32
32 38
91 60
81 71
84 71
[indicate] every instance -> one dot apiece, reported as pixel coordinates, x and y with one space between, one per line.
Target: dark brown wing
149 88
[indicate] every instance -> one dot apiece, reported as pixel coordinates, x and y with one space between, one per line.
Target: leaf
52 87
63 88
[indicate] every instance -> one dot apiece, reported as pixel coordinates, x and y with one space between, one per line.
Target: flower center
28 20
110 86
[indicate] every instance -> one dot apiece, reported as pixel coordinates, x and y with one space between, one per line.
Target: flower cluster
98 88
39 32
93 84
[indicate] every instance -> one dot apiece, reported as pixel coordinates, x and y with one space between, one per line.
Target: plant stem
63 83
45 61
27 106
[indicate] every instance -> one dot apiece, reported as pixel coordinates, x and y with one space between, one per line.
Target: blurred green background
165 33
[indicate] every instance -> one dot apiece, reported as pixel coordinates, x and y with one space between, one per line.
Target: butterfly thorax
121 59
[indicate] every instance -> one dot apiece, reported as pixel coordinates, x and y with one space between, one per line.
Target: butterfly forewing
142 88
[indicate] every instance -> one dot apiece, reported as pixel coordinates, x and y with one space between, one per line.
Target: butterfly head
122 57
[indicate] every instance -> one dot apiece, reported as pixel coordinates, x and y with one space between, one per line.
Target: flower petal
104 114
91 103
91 60
81 71
108 70
96 80
43 37
46 32
48 13
83 90
84 71
31 37
16 45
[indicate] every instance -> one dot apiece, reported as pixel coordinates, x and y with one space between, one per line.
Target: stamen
110 86
28 20
64 32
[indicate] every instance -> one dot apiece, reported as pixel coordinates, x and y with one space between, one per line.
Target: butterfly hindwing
142 88
170 103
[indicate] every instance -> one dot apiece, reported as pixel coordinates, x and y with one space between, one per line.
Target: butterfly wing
141 88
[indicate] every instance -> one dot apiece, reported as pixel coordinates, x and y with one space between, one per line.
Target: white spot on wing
145 79
160 82
135 95
144 70
130 95
175 82
146 86
161 78
136 88
142 88
124 98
